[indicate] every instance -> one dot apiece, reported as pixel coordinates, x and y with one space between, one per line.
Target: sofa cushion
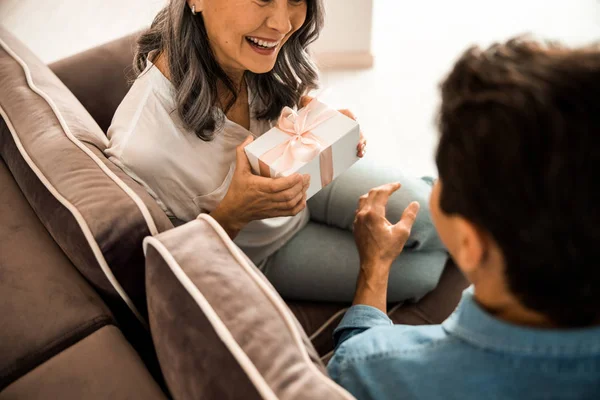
101 366
111 66
45 304
52 146
220 329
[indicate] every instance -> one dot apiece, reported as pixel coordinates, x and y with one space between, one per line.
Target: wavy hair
522 119
195 73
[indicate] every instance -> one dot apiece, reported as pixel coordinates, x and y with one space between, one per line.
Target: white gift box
316 140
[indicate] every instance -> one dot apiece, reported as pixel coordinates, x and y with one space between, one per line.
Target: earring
193 9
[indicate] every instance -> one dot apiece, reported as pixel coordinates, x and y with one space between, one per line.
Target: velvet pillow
220 329
54 149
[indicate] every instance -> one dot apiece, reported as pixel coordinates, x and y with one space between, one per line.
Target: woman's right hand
251 197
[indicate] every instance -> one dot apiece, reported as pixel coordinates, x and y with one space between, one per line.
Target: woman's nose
280 17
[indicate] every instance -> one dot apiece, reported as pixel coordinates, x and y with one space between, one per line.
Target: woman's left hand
362 143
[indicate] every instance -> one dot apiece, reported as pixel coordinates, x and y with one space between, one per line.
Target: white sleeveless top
184 174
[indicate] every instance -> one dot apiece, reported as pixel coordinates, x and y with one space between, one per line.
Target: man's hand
379 242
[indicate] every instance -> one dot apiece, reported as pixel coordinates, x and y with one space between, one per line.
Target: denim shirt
472 355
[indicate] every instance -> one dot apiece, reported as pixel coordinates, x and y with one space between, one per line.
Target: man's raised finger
408 218
378 197
362 200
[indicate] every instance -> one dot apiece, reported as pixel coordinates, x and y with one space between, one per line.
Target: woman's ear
471 248
196 5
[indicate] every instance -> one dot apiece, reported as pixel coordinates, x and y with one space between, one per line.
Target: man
518 208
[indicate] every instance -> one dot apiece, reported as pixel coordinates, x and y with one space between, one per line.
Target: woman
213 75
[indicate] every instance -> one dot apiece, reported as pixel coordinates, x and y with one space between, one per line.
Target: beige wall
65 27
346 39
54 29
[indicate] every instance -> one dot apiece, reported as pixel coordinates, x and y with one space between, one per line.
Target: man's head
519 161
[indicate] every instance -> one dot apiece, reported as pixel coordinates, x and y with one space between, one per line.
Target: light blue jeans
321 263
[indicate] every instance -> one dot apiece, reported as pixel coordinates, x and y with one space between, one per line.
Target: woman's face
248 34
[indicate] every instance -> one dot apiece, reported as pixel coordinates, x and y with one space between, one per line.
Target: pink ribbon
302 145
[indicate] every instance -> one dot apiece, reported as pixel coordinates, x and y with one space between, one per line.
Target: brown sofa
72 269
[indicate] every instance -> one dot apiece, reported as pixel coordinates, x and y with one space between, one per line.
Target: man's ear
198 5
471 248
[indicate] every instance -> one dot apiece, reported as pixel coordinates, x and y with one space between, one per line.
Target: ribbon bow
302 145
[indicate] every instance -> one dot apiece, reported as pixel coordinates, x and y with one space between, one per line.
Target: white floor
414 43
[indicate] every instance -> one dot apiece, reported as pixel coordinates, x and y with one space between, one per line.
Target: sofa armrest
100 77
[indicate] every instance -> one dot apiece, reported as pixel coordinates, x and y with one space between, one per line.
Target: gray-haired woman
213 74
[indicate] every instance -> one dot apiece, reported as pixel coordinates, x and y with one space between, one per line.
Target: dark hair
519 156
194 72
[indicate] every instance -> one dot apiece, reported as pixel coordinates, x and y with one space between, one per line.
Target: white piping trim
279 305
219 326
137 200
87 233
397 306
78 217
327 323
327 355
334 317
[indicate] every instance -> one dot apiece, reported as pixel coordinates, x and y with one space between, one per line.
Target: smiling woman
225 41
245 31
211 76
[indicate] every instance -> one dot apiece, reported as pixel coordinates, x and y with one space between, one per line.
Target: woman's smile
263 46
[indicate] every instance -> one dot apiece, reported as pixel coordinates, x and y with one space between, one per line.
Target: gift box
316 140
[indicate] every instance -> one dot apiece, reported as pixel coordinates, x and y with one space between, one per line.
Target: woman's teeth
262 43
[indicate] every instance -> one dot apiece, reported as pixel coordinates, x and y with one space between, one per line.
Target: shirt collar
166 89
473 324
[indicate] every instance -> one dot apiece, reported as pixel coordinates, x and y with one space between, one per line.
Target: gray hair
194 71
